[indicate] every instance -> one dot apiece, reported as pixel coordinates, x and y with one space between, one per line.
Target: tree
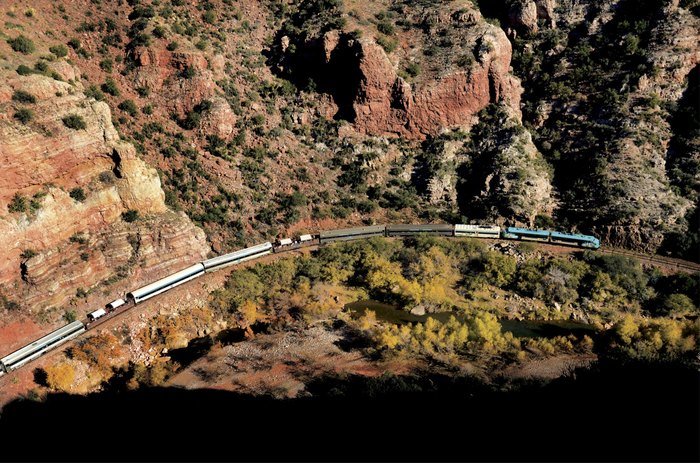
19 203
627 329
678 306
110 86
60 376
21 96
367 320
130 216
249 313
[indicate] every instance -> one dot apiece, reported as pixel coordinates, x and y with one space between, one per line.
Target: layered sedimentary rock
63 192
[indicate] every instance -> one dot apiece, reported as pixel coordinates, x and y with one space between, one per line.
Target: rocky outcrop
62 195
506 177
386 103
141 252
219 120
525 15
183 78
650 207
372 90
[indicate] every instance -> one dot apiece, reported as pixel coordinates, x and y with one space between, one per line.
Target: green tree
678 306
18 203
130 216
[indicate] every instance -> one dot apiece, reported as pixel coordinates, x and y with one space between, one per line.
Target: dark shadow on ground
612 413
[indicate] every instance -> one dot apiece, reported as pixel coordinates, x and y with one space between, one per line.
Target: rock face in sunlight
67 180
421 91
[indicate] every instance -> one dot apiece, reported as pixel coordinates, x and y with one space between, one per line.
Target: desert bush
74 121
22 44
59 50
23 115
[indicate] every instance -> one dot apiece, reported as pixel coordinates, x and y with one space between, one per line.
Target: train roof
420 227
154 287
39 343
527 231
232 256
353 231
574 235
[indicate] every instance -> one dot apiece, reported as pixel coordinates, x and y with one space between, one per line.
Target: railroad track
678 263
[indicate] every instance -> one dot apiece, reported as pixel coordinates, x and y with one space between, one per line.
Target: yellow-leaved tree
60 376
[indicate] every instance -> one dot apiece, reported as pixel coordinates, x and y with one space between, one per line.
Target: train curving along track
306 241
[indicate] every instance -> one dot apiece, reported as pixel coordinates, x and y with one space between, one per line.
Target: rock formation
62 195
373 92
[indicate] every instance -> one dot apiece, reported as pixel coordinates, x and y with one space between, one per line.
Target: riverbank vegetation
425 300
636 312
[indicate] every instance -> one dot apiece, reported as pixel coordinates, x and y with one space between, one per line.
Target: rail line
654 259
286 245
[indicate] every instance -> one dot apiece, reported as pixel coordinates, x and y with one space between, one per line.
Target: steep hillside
266 118
79 209
608 98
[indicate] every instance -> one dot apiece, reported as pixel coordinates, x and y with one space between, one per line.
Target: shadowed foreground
635 412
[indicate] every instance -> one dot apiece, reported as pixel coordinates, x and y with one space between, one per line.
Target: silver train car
253 252
346 234
63 334
164 284
478 231
443 229
34 350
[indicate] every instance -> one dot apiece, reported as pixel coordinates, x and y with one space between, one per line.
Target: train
74 329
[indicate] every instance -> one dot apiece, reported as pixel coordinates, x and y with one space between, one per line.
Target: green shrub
69 316
188 73
59 50
78 194
172 46
23 70
129 107
130 216
94 92
106 64
74 121
78 238
28 253
23 115
74 43
209 17
387 44
110 86
413 69
21 96
385 27
22 44
18 203
160 32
